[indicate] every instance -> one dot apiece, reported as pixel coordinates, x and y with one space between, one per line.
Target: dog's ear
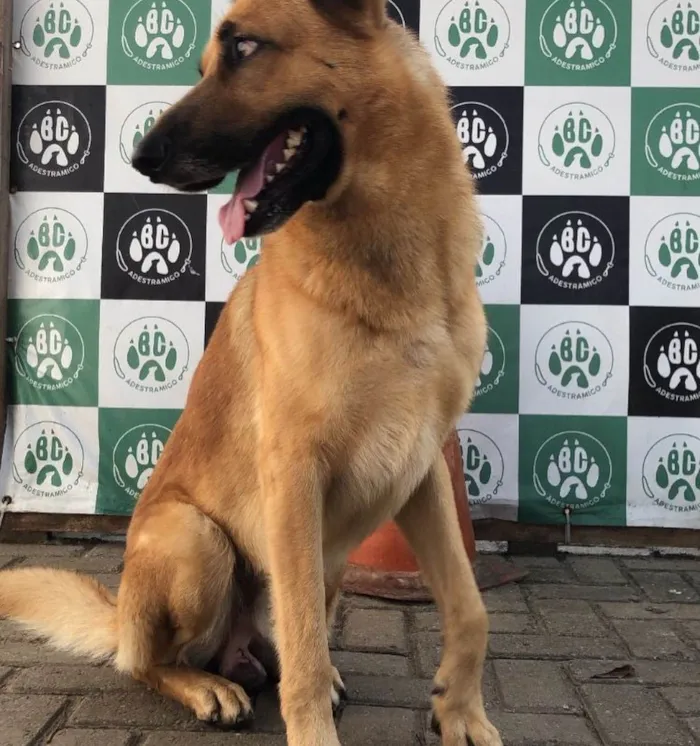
359 16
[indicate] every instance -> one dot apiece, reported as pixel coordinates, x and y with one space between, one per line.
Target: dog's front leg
429 522
293 503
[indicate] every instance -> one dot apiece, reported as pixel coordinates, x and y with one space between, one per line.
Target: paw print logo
493 252
53 139
484 137
672 142
493 365
154 247
151 355
56 34
572 469
482 462
49 352
159 34
137 125
50 245
671 473
47 460
472 34
672 362
574 360
575 250
672 252
576 141
578 35
673 35
238 258
135 456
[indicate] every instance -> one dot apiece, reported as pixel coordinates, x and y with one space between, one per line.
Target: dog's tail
73 612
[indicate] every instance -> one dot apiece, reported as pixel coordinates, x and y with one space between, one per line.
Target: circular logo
672 251
484 136
53 139
672 362
47 460
493 366
472 34
493 252
159 34
239 257
49 352
50 245
137 125
672 142
151 354
578 36
671 473
574 360
576 141
673 35
483 465
395 13
135 456
575 250
572 469
56 34
154 247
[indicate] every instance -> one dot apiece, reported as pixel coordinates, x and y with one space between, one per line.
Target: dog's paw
478 733
339 694
222 703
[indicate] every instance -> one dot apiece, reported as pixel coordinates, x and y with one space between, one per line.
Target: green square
575 462
159 43
227 185
131 442
497 387
571 44
665 142
53 352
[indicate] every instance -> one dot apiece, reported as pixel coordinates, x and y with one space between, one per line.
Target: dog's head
281 83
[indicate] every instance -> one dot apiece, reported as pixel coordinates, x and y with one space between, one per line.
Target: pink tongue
232 214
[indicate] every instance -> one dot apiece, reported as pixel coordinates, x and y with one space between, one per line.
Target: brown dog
336 371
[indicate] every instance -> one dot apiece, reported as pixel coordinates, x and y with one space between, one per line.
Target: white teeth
280 167
269 178
289 154
294 139
250 205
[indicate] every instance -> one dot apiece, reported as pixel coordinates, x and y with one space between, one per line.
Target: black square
154 246
576 250
489 124
58 138
406 13
664 362
211 316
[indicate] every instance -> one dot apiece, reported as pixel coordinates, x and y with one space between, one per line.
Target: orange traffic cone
384 564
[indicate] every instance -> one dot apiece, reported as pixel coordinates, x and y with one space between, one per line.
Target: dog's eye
246 47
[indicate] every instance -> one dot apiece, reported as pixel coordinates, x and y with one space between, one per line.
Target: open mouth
298 164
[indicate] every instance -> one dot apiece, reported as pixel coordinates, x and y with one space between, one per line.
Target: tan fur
337 369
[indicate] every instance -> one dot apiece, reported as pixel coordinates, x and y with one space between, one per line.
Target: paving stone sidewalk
585 651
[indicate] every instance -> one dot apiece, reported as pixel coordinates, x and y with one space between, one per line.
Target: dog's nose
151 154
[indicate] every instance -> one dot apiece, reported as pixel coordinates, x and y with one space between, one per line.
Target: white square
664 251
663 472
219 8
226 264
56 240
475 43
148 352
664 35
60 43
500 264
131 113
50 459
489 444
574 360
576 140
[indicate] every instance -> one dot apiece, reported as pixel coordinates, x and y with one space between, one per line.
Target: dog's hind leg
175 608
429 522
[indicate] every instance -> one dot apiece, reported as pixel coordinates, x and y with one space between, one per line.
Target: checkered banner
580 120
